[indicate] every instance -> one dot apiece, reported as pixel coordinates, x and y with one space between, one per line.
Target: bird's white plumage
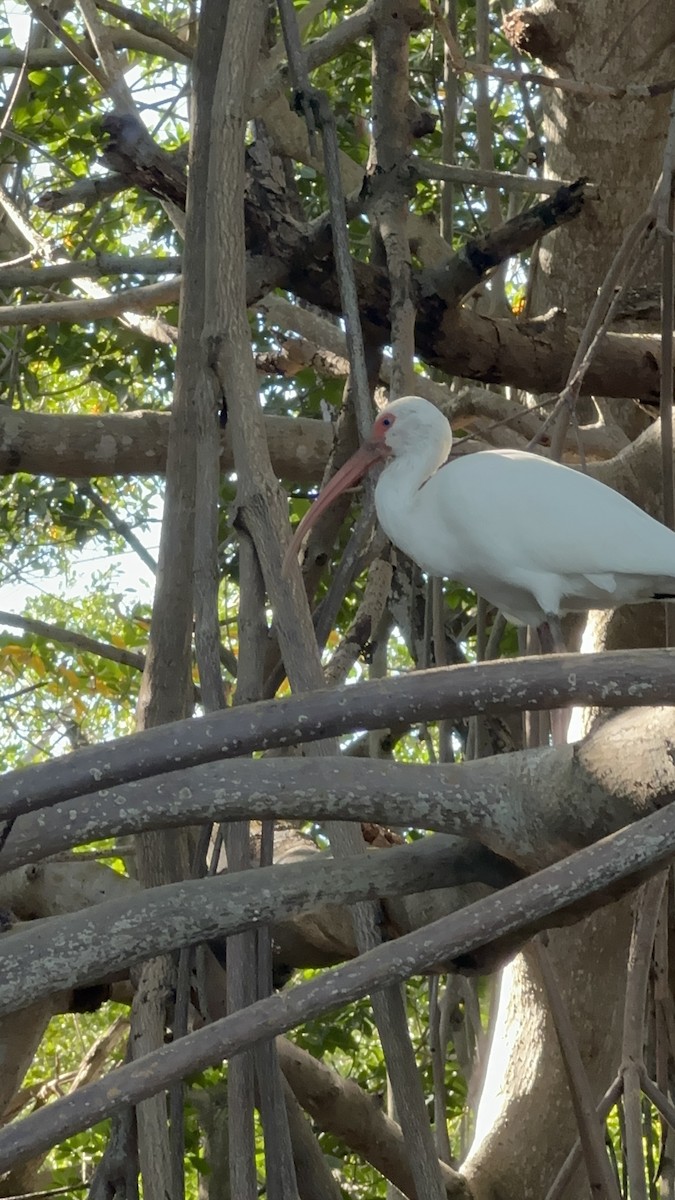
533 537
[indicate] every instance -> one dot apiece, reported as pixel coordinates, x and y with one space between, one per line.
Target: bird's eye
386 421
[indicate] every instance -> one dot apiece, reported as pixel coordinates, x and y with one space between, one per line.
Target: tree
318 260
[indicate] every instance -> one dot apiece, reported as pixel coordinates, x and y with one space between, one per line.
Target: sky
131 573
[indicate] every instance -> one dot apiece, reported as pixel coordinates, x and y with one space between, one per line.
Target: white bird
533 537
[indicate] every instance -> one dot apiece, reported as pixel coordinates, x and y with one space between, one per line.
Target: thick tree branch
84 446
529 807
78 948
535 355
479 256
342 1108
616 680
525 905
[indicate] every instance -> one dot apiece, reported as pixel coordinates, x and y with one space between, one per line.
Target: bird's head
402 426
410 425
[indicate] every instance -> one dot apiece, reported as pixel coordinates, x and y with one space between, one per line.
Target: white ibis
535 538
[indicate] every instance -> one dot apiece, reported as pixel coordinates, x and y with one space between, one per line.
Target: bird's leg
552 641
551 637
535 724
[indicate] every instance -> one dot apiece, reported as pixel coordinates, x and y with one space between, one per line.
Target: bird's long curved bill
349 474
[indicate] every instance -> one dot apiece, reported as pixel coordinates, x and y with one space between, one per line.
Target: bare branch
79 641
530 807
147 26
120 526
76 51
526 904
93 267
44 957
474 177
139 300
616 679
600 1175
342 1108
578 87
76 446
456 278
12 58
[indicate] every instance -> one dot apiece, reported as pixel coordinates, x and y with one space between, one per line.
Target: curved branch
529 807
618 679
147 26
526 904
342 1108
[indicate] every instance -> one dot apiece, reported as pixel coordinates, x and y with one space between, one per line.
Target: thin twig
623 265
119 525
344 574
78 53
507 180
79 641
360 387
578 87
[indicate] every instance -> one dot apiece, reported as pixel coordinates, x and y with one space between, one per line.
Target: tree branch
616 680
138 299
147 26
39 57
424 168
93 267
535 355
525 905
83 446
339 1106
79 948
529 807
70 637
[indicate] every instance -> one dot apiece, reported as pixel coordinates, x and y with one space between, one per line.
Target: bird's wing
521 507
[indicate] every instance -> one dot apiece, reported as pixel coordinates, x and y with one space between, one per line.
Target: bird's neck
410 471
399 486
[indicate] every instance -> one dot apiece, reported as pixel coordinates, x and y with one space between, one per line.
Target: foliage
67 1040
